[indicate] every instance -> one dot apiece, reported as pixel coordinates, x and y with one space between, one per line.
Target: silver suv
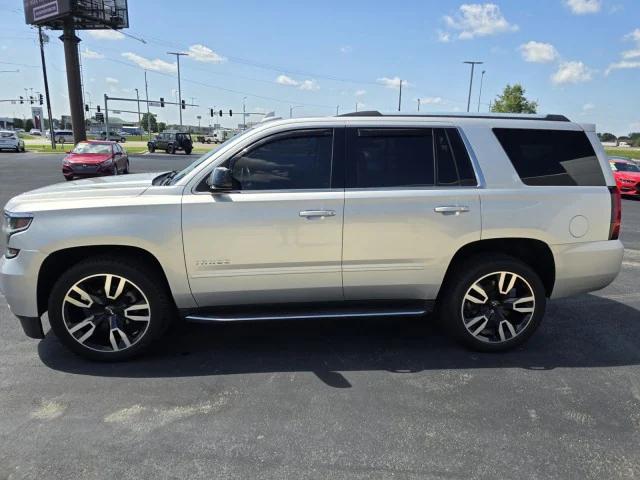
480 217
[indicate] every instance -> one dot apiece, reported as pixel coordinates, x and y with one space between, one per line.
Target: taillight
616 213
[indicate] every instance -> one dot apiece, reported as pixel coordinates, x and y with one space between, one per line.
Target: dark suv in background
171 142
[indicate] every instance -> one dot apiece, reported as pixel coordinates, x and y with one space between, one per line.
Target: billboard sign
41 11
36 117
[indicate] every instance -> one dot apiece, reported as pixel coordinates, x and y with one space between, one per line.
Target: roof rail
496 116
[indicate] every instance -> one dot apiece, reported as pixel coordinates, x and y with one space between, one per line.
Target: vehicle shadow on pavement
586 331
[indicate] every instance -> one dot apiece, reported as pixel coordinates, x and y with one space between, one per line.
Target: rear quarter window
551 157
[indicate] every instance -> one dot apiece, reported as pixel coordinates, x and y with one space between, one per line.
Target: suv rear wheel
171 149
108 308
493 303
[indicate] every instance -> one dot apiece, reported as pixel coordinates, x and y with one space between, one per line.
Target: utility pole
337 110
480 94
473 64
106 115
46 87
356 106
244 113
74 83
178 55
400 97
138 98
418 104
146 92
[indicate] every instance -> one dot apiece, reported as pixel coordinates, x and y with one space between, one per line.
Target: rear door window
390 157
551 157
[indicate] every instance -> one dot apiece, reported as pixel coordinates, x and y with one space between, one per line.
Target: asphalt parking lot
369 399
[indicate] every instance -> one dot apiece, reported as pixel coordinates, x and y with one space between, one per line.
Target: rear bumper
585 267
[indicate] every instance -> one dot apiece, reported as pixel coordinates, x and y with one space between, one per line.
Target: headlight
15 222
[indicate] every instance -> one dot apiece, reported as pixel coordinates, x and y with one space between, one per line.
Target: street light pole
337 110
400 97
418 104
178 55
244 113
46 86
473 64
480 94
138 99
146 92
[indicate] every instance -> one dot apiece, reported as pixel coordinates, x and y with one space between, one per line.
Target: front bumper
19 285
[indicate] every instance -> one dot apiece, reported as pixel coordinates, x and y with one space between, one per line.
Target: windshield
7 135
626 167
92 148
182 173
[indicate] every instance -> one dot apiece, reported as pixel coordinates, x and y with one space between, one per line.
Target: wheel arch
535 253
61 260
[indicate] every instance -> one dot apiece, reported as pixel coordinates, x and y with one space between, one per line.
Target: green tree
28 125
18 123
635 138
146 117
162 127
513 100
607 137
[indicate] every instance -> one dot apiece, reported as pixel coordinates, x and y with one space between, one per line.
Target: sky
580 58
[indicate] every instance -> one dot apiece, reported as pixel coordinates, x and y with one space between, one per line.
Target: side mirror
220 179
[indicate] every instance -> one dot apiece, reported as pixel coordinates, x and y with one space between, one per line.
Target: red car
627 175
95 159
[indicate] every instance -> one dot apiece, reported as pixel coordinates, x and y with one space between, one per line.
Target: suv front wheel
108 308
493 302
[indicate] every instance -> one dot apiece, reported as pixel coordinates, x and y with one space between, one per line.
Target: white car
11 141
483 217
35 131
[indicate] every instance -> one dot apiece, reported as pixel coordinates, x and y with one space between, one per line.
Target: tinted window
551 157
446 170
463 162
387 157
297 161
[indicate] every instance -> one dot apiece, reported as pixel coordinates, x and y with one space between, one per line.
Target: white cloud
90 54
106 34
284 80
630 58
309 85
588 107
477 20
201 53
444 37
571 72
148 64
346 49
538 52
360 93
431 101
393 82
583 7
111 80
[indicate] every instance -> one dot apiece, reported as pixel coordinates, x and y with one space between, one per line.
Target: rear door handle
317 213
451 209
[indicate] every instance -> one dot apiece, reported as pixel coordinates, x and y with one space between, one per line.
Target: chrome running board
304 316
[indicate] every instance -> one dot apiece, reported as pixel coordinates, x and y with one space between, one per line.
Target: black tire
486 268
122 139
171 149
69 178
151 148
126 169
188 151
139 275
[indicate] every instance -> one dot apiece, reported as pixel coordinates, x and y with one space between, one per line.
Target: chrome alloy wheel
106 312
498 307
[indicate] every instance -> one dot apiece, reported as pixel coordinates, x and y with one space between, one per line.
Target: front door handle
451 209
317 213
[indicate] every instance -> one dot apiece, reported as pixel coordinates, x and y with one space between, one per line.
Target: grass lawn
624 152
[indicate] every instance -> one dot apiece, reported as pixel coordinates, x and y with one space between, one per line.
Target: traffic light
230 113
21 100
162 102
31 99
184 105
86 107
211 112
97 108
220 113
41 99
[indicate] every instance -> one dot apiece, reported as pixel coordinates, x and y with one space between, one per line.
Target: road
366 399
